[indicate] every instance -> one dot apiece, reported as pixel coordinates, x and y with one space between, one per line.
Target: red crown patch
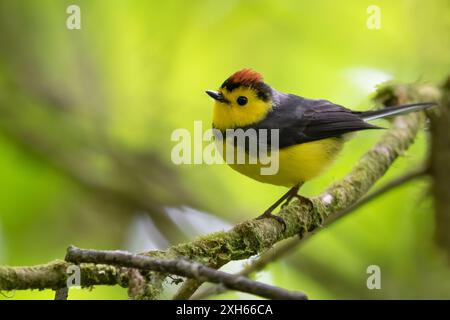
246 77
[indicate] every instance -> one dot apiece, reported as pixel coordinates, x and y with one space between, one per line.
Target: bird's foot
268 215
284 199
285 204
299 197
304 200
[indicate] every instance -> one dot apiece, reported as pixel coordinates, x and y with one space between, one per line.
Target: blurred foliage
86 117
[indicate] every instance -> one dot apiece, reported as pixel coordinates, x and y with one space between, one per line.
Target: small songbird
311 132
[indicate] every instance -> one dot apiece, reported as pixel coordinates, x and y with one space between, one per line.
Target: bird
312 132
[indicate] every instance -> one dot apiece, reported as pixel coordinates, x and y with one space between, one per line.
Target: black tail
391 111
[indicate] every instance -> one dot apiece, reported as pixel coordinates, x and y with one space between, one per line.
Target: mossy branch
54 275
181 267
255 236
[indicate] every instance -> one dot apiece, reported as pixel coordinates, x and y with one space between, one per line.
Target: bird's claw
304 200
269 215
299 197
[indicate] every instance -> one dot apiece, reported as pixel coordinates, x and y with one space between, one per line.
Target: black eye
242 101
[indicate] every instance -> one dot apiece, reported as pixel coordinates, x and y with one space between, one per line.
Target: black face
263 90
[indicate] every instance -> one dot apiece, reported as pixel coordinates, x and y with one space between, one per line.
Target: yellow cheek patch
232 115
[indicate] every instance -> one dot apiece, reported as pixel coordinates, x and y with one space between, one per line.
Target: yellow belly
297 164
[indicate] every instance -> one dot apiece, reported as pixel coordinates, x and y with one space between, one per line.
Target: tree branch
379 192
53 275
181 267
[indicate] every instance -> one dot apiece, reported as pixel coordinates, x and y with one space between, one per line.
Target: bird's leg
302 199
299 197
293 195
285 198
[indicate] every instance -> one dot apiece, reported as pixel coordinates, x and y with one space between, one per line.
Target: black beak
216 95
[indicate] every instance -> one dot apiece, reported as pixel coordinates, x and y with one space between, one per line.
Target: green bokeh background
137 70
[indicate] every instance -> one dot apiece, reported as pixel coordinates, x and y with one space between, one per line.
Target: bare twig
181 267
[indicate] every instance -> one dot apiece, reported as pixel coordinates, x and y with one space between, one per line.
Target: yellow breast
297 164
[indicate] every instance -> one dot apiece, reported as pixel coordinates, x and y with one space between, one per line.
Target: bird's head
243 99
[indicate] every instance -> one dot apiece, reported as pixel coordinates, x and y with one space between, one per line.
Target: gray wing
303 120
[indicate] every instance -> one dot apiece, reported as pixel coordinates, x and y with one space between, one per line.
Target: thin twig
181 267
